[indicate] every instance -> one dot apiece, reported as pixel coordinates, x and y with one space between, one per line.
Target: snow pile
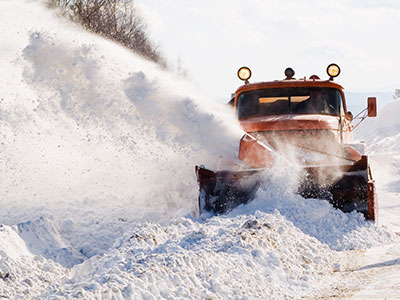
226 258
244 257
315 217
23 275
44 237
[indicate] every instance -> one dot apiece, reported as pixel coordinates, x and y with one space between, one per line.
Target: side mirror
371 111
371 107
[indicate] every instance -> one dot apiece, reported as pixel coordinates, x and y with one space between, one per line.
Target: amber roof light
333 71
244 74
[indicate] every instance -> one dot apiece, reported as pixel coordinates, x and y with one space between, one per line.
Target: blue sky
213 38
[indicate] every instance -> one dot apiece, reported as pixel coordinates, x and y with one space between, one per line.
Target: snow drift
383 131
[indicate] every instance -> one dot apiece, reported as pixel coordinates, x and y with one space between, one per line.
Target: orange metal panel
254 154
372 201
290 122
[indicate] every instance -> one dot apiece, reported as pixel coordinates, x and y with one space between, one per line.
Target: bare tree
57 3
117 20
180 70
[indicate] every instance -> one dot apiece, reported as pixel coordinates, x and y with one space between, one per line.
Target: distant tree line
117 20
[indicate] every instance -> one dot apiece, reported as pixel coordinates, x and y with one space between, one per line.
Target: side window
335 102
247 105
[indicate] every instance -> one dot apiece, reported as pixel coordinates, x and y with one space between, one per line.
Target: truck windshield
278 101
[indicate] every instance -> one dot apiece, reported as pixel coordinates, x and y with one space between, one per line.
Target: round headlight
244 73
333 70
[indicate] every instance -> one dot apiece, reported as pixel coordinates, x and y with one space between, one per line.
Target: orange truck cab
309 114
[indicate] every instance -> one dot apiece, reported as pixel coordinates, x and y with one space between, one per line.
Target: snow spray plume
91 125
289 173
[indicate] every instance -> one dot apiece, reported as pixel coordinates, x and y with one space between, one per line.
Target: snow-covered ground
98 192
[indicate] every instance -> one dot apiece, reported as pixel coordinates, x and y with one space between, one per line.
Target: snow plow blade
347 187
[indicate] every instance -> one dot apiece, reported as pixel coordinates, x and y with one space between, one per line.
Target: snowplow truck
307 117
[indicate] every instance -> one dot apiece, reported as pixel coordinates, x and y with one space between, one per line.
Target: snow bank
315 217
382 132
22 274
224 258
44 237
11 245
383 135
242 257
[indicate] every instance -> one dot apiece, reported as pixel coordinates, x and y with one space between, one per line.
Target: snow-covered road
375 273
372 273
364 274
